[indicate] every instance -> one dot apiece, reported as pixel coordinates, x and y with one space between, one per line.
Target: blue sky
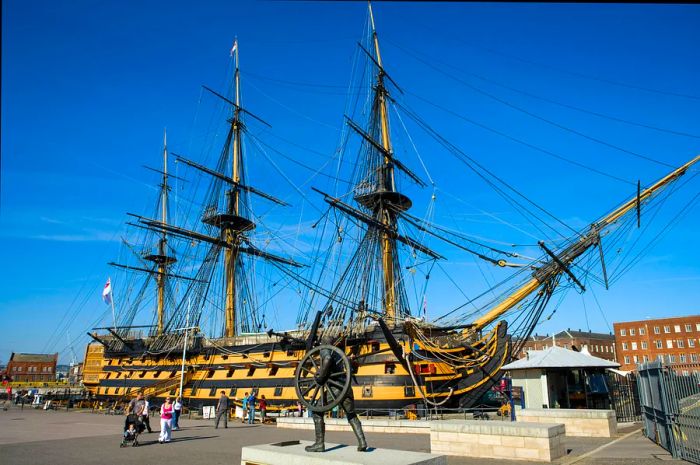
89 86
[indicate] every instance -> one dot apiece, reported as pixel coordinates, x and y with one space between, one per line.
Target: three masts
473 353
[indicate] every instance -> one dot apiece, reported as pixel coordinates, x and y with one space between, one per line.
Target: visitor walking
263 409
245 408
136 405
222 410
177 410
251 408
146 414
166 417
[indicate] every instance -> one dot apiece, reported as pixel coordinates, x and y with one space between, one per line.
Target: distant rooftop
558 357
570 333
582 334
646 320
16 357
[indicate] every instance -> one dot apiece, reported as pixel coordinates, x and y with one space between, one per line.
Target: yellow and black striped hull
260 363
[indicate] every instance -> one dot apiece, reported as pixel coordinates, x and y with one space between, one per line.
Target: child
263 409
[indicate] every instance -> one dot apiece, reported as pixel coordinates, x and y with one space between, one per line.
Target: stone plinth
371 426
335 454
578 422
498 439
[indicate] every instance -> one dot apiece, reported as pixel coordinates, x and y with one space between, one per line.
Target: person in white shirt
145 416
177 409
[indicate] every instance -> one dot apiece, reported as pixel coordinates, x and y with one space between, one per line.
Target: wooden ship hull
260 363
398 361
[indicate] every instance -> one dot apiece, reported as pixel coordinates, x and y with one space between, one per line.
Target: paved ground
70 438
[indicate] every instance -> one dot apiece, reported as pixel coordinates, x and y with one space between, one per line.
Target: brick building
599 345
675 341
32 367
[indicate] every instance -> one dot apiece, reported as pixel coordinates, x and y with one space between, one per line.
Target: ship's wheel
321 390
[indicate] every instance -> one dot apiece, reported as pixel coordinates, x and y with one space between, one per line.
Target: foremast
372 282
560 261
383 200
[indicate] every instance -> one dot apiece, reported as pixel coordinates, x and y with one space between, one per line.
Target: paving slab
293 453
32 437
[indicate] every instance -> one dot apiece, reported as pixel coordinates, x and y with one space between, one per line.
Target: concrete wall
371 426
578 422
498 440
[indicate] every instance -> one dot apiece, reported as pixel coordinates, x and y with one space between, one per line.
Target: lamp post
184 349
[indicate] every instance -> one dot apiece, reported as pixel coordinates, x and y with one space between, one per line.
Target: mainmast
230 219
232 223
161 258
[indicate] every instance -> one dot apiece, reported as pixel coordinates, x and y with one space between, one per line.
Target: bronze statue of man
329 364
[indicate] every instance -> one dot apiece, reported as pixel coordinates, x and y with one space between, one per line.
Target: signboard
209 412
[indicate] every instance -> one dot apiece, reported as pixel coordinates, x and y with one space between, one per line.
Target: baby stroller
133 426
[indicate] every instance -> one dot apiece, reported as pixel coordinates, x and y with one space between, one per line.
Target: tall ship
201 278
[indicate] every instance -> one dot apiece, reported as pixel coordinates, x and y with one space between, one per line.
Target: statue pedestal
293 453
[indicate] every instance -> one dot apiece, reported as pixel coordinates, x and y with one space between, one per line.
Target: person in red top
166 418
9 397
263 408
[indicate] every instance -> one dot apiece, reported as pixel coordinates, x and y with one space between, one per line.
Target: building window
677 328
627 359
667 329
669 344
644 345
657 330
697 326
623 332
660 357
688 328
659 344
694 358
680 343
645 358
634 346
691 343
642 331
632 333
681 358
624 346
672 358
634 357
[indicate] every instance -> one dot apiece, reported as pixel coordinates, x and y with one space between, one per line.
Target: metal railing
624 397
422 413
670 401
